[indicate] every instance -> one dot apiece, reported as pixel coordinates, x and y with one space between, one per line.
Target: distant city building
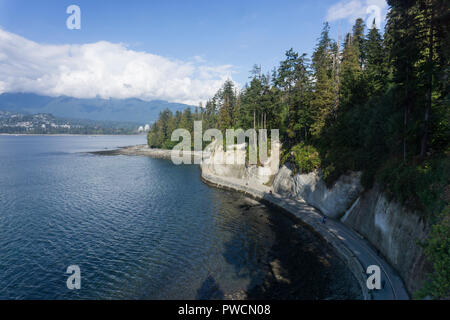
141 129
147 128
38 123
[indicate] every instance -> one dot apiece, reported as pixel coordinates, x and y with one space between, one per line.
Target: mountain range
131 109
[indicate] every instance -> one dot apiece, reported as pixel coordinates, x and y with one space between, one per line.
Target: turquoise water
138 228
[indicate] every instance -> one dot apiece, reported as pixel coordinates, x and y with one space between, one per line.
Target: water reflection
142 228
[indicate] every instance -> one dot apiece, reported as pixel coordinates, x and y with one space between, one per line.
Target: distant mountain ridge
131 109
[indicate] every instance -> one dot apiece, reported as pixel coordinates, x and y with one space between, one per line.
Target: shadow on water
295 264
209 290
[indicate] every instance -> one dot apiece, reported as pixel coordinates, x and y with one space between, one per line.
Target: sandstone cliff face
394 231
311 188
284 182
231 163
390 228
225 163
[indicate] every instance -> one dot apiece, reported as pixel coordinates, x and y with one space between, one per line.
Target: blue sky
217 39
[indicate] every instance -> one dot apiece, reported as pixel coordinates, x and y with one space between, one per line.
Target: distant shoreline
144 150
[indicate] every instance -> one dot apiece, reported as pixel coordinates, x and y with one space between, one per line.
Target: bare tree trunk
262 121
423 147
405 126
405 115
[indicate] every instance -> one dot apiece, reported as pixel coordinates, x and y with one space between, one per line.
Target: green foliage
305 157
437 251
227 102
160 133
325 62
378 104
376 63
420 187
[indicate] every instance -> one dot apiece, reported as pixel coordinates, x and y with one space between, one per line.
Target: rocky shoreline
355 251
142 150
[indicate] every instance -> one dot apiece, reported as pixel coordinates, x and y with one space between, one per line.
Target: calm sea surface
138 228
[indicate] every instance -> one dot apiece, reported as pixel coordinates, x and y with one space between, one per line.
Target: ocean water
138 228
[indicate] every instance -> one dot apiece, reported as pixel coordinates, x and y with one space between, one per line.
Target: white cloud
104 69
353 9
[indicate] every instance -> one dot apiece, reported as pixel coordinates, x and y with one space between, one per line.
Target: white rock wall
310 187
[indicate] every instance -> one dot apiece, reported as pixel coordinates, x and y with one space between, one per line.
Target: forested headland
375 101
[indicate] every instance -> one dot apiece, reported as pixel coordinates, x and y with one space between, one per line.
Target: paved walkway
353 248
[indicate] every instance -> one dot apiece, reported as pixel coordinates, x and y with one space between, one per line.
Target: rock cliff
310 187
389 227
394 231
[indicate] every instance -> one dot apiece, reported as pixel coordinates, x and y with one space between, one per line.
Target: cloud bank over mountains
104 69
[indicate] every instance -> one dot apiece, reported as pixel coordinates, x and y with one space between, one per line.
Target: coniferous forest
377 103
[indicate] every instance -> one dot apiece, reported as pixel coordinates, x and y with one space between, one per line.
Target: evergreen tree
325 99
417 39
187 120
294 81
375 70
358 40
403 42
227 102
